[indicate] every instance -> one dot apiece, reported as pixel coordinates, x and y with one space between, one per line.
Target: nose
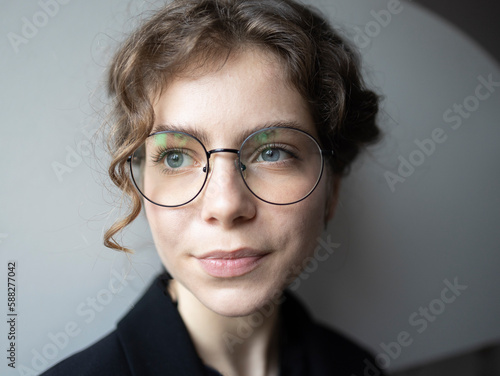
226 200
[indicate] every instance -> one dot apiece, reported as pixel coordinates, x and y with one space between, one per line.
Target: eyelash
160 154
280 147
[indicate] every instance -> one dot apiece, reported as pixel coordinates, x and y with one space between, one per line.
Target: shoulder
105 357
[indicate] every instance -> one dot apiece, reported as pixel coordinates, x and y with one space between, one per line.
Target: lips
228 264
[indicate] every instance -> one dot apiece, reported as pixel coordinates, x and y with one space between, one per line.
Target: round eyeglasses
279 165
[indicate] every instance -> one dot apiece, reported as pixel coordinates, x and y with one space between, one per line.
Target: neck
229 344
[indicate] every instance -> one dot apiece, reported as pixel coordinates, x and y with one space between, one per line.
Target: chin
237 302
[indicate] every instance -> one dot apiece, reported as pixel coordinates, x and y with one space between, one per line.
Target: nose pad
224 176
223 181
226 173
226 200
239 166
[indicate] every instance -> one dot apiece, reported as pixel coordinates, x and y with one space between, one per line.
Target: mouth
222 264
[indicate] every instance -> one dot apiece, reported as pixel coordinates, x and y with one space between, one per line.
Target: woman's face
227 104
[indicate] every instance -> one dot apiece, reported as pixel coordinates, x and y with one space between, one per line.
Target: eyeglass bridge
241 166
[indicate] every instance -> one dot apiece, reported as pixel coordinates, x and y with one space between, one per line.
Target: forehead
226 102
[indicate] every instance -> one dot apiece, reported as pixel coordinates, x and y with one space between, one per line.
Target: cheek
314 207
167 227
302 225
311 222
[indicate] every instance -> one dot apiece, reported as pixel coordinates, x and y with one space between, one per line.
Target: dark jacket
152 340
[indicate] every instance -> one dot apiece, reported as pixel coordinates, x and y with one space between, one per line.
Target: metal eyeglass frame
240 166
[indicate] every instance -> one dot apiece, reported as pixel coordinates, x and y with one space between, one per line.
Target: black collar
154 337
156 341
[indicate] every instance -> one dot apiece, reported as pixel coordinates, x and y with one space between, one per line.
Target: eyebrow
203 136
200 134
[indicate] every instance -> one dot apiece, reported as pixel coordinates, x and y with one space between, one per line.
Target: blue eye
177 159
273 154
174 159
270 155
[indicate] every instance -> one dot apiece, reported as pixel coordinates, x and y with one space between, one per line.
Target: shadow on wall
478 19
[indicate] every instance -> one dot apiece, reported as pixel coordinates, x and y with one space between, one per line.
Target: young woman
234 123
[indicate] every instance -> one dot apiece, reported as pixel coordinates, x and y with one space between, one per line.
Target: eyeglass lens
278 165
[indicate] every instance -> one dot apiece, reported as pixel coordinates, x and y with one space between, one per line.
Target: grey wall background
394 248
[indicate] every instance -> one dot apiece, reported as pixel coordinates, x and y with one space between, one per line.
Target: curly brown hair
317 61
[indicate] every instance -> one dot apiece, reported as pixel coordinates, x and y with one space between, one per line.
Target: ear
332 198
